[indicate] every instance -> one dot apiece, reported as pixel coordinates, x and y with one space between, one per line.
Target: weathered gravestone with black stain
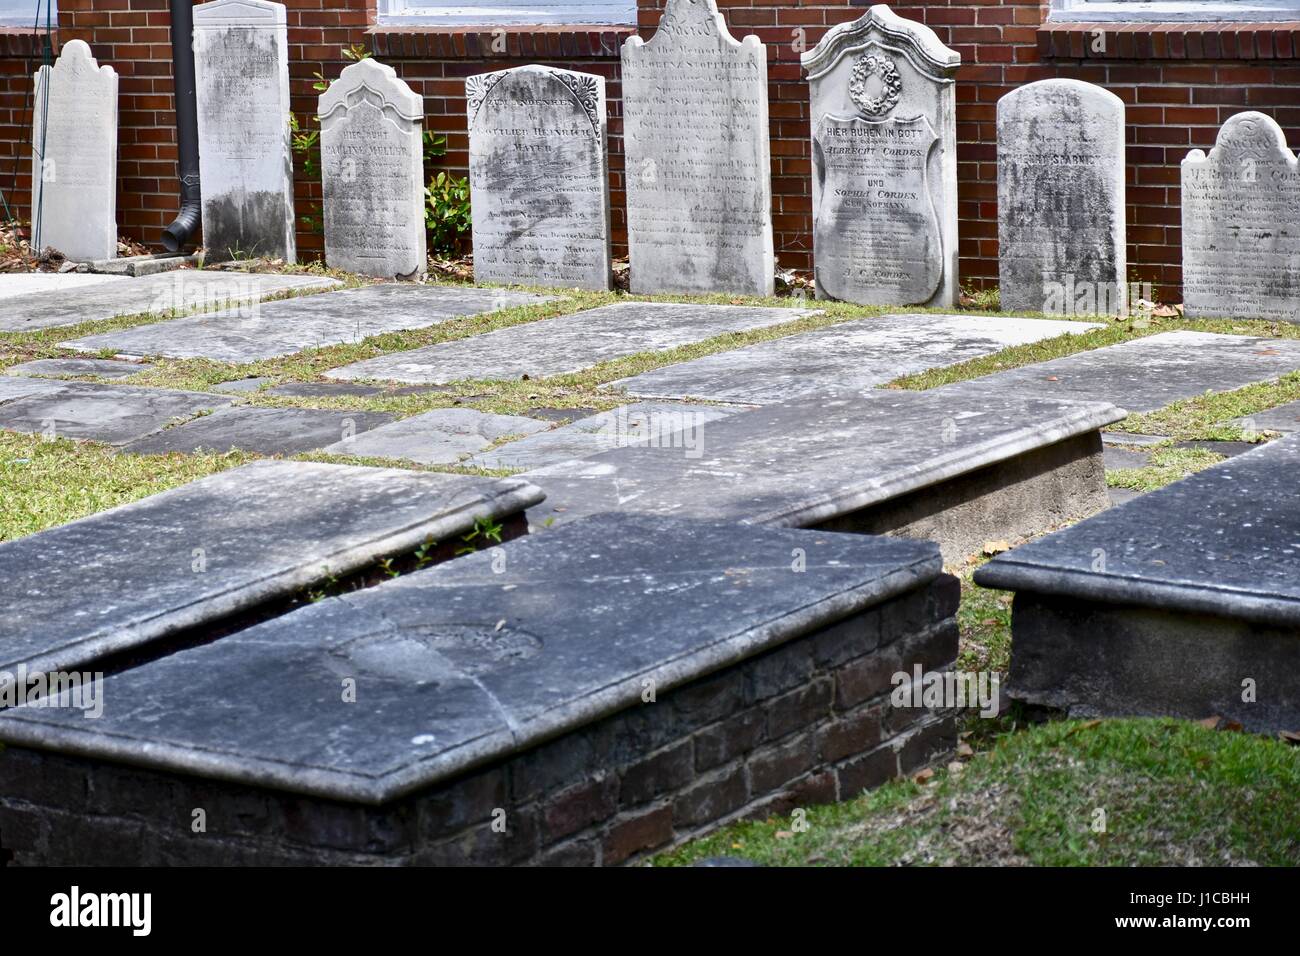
1241 224
1184 602
582 696
372 173
1061 199
695 137
539 177
241 71
884 154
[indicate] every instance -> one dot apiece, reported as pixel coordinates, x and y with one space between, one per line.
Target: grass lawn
1173 793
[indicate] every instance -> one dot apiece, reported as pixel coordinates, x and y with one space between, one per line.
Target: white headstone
372 173
1060 195
884 163
241 67
1241 224
74 156
699 172
539 177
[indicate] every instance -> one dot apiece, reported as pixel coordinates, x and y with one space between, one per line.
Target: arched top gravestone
1241 224
74 156
884 162
1061 198
372 172
696 142
539 177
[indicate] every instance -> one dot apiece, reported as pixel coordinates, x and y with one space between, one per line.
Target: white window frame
492 13
1174 11
22 13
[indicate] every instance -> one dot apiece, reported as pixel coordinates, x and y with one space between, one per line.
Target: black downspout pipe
176 236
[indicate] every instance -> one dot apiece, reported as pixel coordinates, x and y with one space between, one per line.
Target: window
27 13
1174 11
492 13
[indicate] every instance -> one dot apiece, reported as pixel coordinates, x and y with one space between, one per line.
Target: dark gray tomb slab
1183 602
220 546
1147 373
567 343
514 678
115 414
911 463
179 292
283 327
266 431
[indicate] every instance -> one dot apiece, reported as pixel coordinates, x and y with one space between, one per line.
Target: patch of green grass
984 620
1173 793
1206 417
1167 465
48 483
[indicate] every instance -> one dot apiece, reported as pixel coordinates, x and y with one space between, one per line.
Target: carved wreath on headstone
891 84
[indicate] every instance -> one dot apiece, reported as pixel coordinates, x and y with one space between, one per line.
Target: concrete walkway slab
566 343
174 292
272 329
115 414
266 431
852 355
221 545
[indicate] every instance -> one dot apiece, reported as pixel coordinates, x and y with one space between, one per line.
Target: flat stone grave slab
19 386
442 436
178 292
225 544
1176 603
266 431
567 343
103 368
1125 458
1148 373
884 461
661 424
1132 438
484 659
323 390
115 414
1284 418
291 325
26 283
862 353
240 386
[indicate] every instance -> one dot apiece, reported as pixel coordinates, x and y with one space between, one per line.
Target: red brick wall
1180 84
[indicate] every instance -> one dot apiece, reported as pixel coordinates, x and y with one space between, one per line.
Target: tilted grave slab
1145 374
612 686
442 436
660 424
1184 602
266 431
916 464
271 329
115 414
567 343
191 557
188 290
862 353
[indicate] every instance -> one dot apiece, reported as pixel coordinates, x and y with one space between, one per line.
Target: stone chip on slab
271 329
478 658
227 543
